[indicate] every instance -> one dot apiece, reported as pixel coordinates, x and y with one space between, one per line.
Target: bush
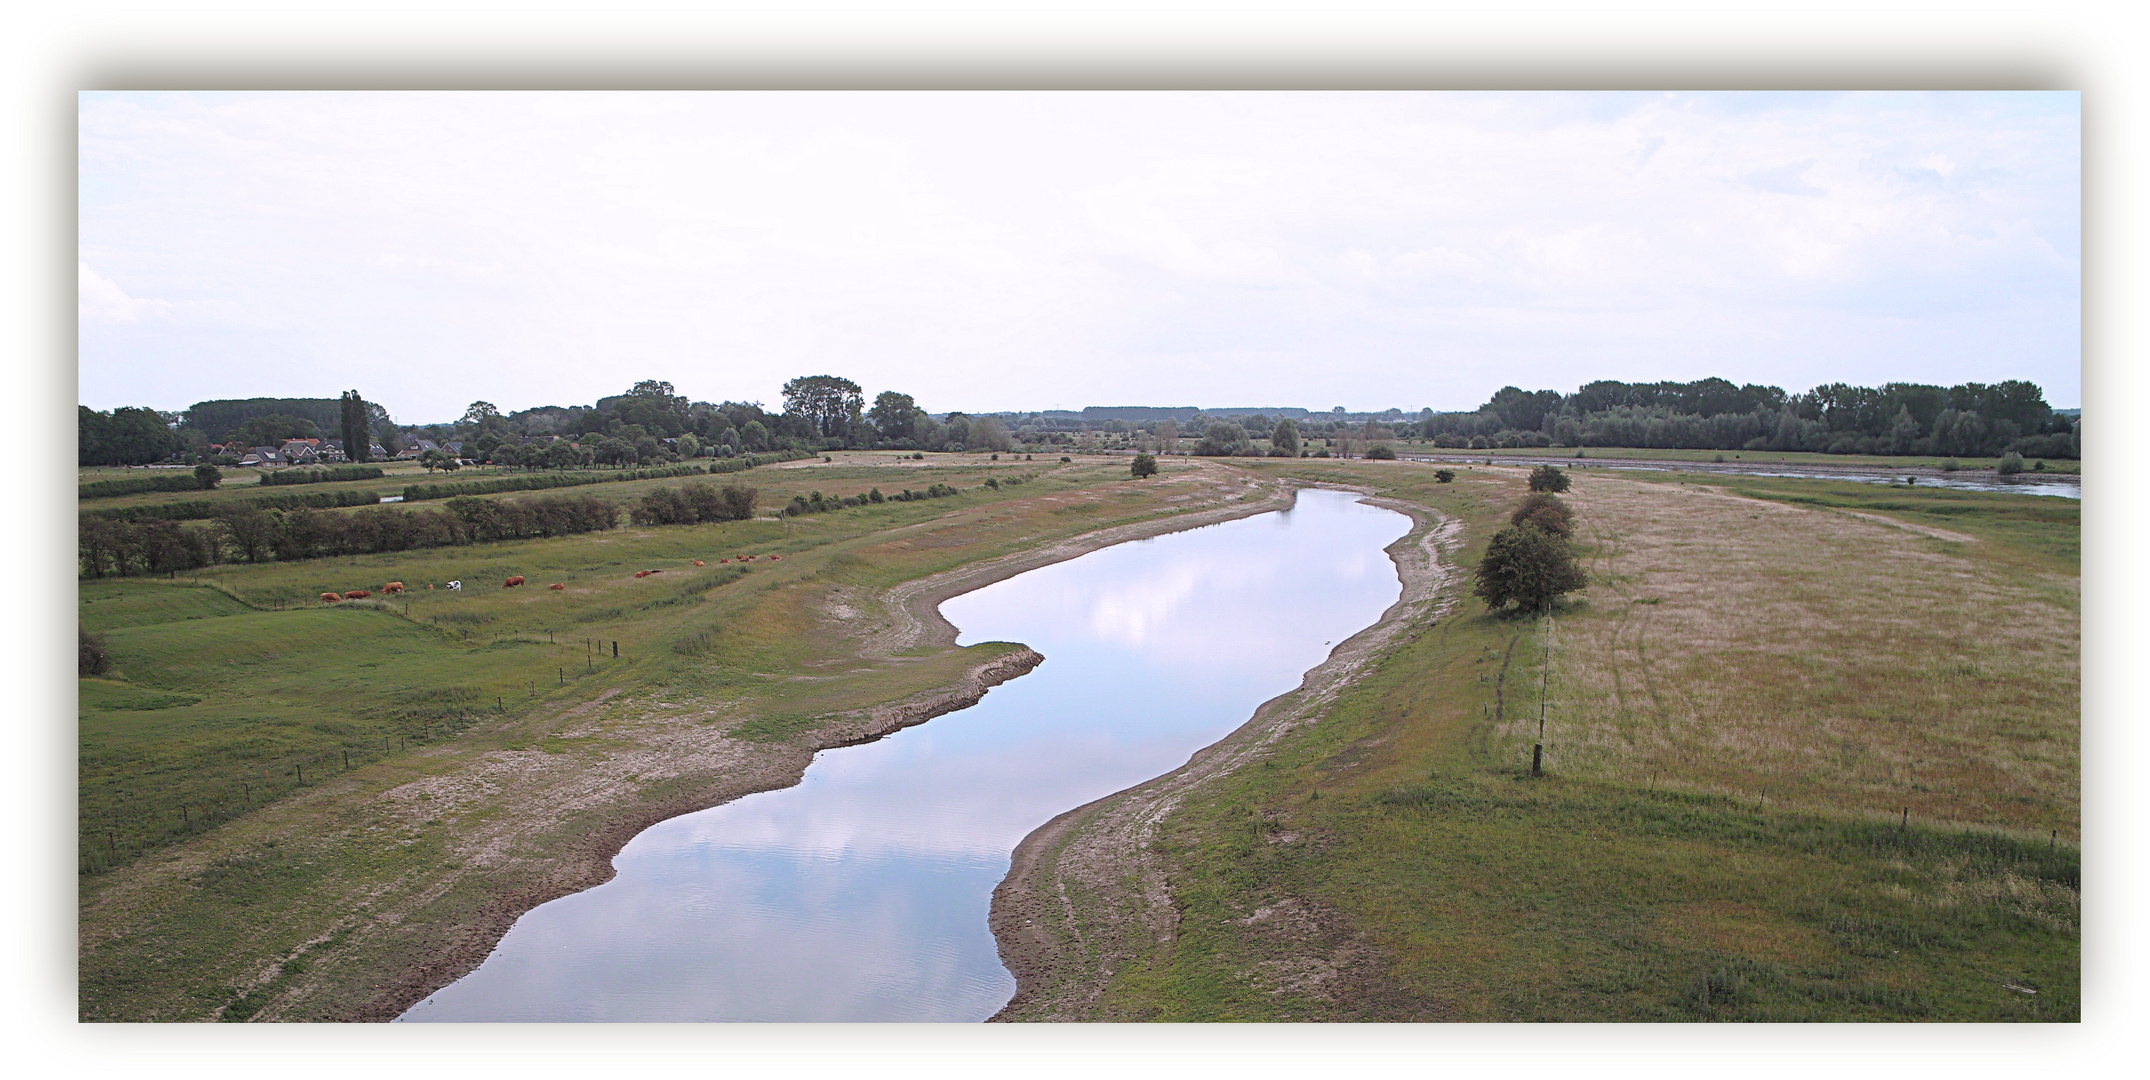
1144 465
92 660
208 476
694 504
1381 453
1529 567
1548 478
2011 463
1547 512
137 485
321 476
1444 476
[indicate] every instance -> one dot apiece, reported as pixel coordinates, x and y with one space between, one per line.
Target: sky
990 251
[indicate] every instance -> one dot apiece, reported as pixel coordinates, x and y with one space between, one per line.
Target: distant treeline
137 485
199 509
1969 420
322 475
214 418
245 533
539 481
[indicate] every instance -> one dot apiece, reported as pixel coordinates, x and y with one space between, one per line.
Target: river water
861 894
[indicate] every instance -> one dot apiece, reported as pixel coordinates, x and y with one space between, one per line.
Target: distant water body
861 894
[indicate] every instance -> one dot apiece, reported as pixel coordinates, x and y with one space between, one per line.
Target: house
262 457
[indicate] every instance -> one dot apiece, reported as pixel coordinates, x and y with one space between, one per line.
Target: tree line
1967 420
117 548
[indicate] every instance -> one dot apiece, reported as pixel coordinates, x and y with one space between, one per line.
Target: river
861 893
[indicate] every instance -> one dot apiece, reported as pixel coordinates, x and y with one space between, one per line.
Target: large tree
357 438
1529 567
830 403
125 436
1285 438
896 418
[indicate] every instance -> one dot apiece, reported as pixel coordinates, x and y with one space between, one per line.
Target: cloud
99 300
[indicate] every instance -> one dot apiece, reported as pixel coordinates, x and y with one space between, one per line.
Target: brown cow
391 588
776 558
357 594
330 598
512 582
641 573
699 562
556 586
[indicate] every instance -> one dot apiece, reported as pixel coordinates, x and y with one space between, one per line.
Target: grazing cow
330 598
357 594
556 586
429 586
776 558
512 582
699 562
391 587
455 586
721 562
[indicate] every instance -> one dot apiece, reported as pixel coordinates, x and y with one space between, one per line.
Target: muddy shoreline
1083 897
914 610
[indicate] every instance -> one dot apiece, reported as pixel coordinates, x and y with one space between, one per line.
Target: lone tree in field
208 476
1547 512
1528 566
1548 478
1444 476
1144 465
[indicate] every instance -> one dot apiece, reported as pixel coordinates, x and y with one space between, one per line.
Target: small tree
1381 452
2011 464
1548 478
1285 438
1527 566
92 660
1546 511
1144 465
209 476
1444 476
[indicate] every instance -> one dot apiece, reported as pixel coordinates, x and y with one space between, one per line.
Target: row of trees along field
1967 420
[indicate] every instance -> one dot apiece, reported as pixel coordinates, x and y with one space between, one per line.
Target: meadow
1812 753
233 866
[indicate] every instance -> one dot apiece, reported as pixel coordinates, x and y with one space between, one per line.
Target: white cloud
98 299
989 251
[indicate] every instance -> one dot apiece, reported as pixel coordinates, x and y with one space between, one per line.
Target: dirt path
1083 896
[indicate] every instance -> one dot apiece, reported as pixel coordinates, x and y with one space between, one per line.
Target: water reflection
861 893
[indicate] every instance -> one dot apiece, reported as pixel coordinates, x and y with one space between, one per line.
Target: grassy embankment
488 747
1801 765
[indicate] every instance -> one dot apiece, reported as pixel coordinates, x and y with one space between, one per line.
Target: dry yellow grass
1813 658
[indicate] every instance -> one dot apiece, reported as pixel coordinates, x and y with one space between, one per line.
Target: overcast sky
993 251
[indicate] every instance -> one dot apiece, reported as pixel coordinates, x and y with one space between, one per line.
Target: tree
894 417
1168 437
1444 476
830 403
476 414
689 446
92 659
357 440
251 531
1548 478
208 476
1222 439
1528 566
1382 452
2011 464
1144 465
1546 511
1285 438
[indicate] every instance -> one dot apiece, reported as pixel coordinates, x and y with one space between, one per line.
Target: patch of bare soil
1084 896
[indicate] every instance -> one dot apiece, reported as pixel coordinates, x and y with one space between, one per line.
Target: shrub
1529 567
2011 464
92 660
1546 511
1548 478
321 476
1381 452
1444 476
1144 465
208 476
136 485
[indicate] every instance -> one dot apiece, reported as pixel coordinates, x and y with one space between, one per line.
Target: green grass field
1711 841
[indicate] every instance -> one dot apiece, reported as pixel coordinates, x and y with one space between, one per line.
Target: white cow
455 586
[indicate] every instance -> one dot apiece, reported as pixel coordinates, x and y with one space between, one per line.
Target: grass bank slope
1802 765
